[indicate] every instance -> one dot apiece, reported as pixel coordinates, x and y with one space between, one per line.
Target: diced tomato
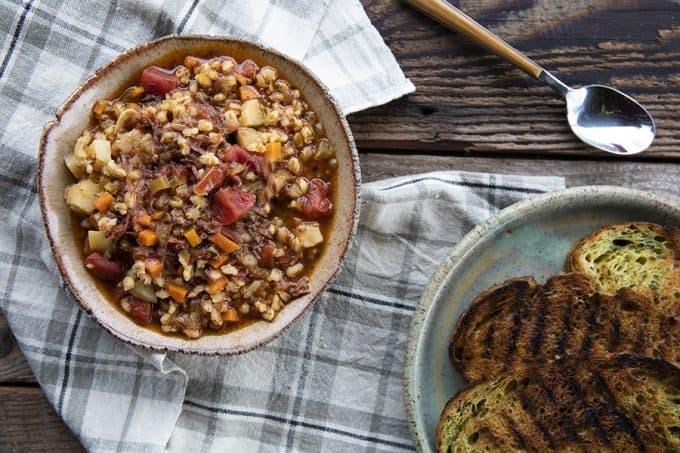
230 204
242 156
140 310
267 255
248 68
316 205
158 81
212 179
118 293
103 267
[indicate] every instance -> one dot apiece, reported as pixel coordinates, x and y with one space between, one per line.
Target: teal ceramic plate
528 238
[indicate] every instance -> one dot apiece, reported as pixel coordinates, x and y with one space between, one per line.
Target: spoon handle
452 17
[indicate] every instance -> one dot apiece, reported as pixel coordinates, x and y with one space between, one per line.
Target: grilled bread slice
639 255
484 333
520 321
515 320
619 404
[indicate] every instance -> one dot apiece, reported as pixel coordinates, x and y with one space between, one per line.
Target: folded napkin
333 381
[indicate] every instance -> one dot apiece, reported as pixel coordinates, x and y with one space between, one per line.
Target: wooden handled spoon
600 116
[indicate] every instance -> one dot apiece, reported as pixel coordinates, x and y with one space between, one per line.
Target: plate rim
463 248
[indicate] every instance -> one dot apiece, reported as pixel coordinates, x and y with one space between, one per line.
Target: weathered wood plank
13 366
655 177
28 423
468 100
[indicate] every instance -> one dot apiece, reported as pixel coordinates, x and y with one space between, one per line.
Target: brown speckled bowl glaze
74 116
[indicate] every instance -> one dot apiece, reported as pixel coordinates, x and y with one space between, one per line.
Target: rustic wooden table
472 112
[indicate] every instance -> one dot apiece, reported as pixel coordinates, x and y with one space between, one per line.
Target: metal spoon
600 116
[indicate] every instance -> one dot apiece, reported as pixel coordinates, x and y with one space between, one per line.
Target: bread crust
519 320
647 255
498 299
622 402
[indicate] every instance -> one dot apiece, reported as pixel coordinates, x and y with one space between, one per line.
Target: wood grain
29 424
470 101
13 366
454 19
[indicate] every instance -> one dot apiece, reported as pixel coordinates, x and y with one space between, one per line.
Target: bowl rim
189 345
457 254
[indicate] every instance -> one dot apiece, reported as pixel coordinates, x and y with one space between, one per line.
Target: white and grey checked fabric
333 382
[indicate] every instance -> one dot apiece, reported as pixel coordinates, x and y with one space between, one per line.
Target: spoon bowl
610 120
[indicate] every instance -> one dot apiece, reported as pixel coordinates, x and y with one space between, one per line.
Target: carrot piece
103 202
218 261
273 152
223 242
248 92
145 220
157 215
215 286
193 237
99 107
147 238
176 291
153 266
137 91
191 62
230 315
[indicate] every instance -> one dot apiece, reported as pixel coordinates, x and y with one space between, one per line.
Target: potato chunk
309 234
75 166
101 149
251 113
246 136
99 242
80 196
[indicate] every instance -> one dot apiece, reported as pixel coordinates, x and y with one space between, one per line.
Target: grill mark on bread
514 334
517 324
561 346
570 404
482 328
539 327
527 406
566 422
519 311
640 340
590 325
612 406
488 339
510 425
560 318
590 419
614 333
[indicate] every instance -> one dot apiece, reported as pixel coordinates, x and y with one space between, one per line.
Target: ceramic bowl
532 237
74 116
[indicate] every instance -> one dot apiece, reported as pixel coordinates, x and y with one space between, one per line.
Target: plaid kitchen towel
332 382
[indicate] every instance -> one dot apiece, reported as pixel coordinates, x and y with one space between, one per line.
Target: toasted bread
639 255
520 321
619 404
507 322
485 332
